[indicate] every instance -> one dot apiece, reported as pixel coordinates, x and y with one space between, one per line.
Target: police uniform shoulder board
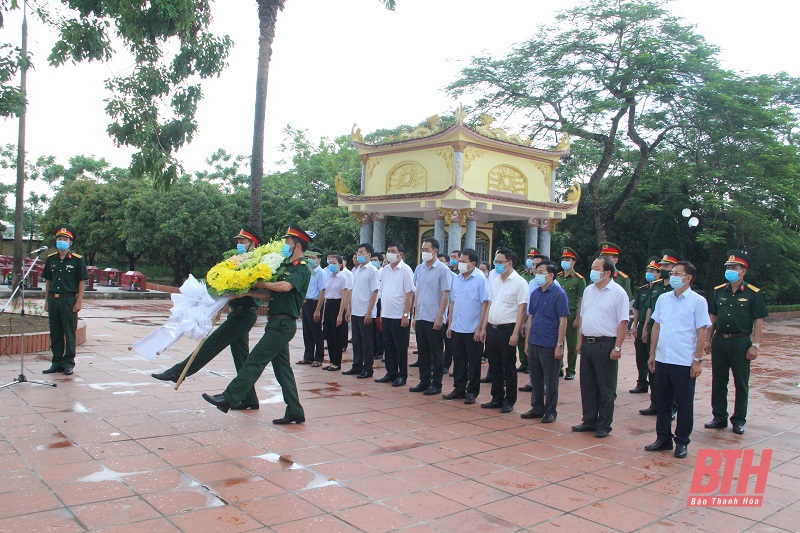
578 275
621 273
51 255
754 288
718 287
643 286
76 255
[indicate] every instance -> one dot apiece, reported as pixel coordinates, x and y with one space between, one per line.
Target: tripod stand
21 288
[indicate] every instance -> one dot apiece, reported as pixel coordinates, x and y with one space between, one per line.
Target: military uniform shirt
736 312
64 274
642 302
289 303
573 285
656 290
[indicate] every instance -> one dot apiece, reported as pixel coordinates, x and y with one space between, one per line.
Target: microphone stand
21 288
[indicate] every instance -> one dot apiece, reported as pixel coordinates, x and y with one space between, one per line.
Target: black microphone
38 250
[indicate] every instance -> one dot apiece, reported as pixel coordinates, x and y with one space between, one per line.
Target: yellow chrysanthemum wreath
239 272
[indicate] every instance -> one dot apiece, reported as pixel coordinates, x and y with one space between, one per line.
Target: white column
472 233
544 237
378 233
454 235
438 230
458 168
366 229
531 234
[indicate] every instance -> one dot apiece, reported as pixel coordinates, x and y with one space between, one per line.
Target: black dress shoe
507 408
640 389
469 399
385 379
415 364
218 401
486 380
422 387
737 428
333 368
431 391
570 376
680 451
68 371
365 374
351 372
455 395
289 420
166 376
601 433
525 388
531 414
650 411
247 407
582 428
548 419
52 370
492 405
659 445
716 424
398 382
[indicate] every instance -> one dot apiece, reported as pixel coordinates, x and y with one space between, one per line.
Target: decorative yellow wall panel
425 170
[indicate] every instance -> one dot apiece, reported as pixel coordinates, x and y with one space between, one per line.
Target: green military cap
653 263
534 251
65 230
609 248
738 257
569 253
669 256
247 232
313 252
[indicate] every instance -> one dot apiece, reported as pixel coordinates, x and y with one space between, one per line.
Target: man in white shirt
397 295
604 323
676 357
337 289
500 329
313 340
363 312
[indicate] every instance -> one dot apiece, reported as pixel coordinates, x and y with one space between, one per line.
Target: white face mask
462 267
392 258
427 256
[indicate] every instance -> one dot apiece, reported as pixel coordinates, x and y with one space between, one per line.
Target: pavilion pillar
366 227
438 228
471 235
544 236
363 176
531 234
379 232
454 235
458 163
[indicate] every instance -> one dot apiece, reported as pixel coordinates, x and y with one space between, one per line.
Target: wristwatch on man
698 360
617 349
405 315
756 344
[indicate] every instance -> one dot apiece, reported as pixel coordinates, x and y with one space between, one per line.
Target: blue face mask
541 279
529 263
730 275
595 276
453 262
566 265
312 263
241 248
361 259
376 264
500 268
286 250
650 277
62 245
676 282
333 268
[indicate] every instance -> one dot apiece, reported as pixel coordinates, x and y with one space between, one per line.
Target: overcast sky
336 62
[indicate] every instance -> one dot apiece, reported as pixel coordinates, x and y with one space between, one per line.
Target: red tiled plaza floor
113 449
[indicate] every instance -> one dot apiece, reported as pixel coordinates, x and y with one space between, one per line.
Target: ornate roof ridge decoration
358 198
434 127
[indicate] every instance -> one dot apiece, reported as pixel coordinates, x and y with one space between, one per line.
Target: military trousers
572 342
642 356
728 357
234 332
272 348
63 325
523 357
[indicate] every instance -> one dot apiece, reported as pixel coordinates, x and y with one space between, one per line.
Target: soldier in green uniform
640 305
527 274
668 260
65 273
620 278
234 332
737 311
574 285
287 297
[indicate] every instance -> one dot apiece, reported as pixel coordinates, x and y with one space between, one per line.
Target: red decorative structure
108 277
133 280
93 272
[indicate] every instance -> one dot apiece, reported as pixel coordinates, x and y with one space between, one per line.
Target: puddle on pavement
77 407
781 397
331 388
113 384
398 448
286 461
140 321
106 474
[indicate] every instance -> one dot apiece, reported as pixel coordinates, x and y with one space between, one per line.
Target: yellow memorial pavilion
457 181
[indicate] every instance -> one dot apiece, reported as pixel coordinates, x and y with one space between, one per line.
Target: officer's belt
280 317
732 335
593 340
63 294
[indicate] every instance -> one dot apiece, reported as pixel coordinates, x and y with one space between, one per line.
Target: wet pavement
112 449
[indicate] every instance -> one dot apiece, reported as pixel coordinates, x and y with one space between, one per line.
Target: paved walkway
112 449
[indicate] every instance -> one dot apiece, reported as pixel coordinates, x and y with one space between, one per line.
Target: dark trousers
430 345
448 351
642 355
344 331
272 348
544 368
363 337
378 336
63 326
598 383
467 353
313 340
234 332
728 357
502 363
395 342
673 384
333 333
572 343
523 357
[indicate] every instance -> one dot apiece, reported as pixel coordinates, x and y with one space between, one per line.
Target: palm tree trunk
267 16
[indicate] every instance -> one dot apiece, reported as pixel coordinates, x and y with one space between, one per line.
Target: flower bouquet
237 273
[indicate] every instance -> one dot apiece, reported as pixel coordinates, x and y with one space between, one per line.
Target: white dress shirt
396 283
603 309
678 319
506 297
365 282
